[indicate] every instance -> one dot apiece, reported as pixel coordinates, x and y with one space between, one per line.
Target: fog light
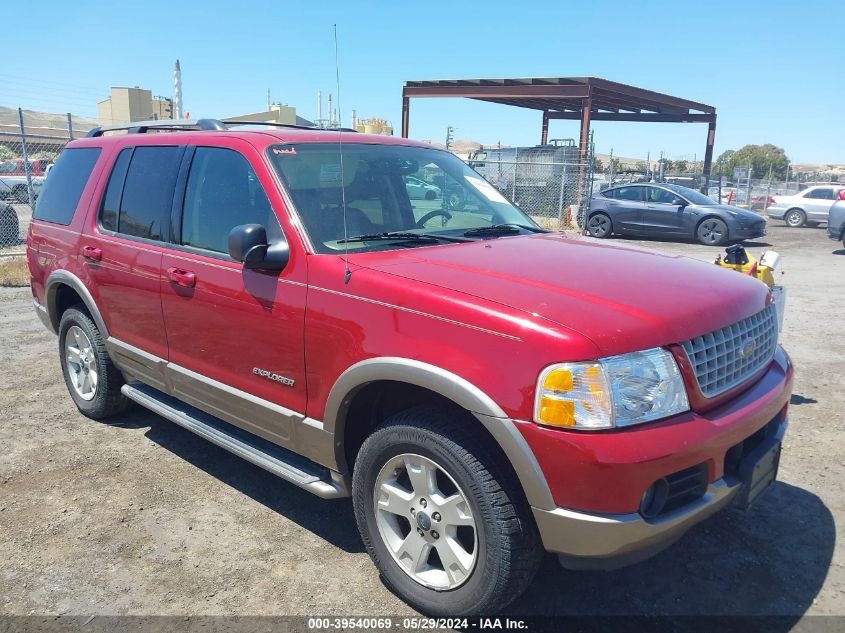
654 498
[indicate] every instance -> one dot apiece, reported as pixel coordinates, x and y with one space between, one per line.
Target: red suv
484 390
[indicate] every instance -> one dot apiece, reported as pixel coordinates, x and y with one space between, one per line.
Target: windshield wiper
499 229
399 235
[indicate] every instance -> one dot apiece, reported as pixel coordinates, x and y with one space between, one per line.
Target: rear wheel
430 195
92 380
712 232
600 225
442 517
795 218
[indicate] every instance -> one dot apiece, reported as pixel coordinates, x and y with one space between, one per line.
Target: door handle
182 277
92 253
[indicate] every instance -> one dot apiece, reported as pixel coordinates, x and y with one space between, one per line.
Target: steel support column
406 106
544 135
708 153
584 151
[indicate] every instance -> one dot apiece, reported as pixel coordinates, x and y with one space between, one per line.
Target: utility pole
611 168
449 131
269 103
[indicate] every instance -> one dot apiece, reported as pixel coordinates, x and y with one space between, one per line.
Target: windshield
691 194
387 189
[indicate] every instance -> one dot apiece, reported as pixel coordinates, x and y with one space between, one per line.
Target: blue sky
774 70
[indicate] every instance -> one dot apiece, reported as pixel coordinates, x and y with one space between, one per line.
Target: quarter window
62 190
222 193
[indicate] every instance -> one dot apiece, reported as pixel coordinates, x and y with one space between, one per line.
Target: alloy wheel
599 225
712 232
425 521
794 218
81 363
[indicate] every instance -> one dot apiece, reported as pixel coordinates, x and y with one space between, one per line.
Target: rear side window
147 198
62 190
628 193
222 193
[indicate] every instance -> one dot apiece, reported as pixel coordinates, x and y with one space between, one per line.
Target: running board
283 463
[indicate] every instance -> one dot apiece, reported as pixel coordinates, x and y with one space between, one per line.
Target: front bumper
610 541
598 479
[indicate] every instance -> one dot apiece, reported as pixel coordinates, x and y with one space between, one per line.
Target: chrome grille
727 356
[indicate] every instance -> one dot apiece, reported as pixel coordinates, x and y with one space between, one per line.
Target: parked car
9 226
13 180
419 189
665 210
810 206
483 389
836 219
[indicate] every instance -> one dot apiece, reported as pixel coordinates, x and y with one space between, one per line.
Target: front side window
386 189
62 190
222 193
660 196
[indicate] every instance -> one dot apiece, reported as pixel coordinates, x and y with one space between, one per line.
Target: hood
623 298
742 214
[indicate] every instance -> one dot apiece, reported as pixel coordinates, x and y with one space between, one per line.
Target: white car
806 207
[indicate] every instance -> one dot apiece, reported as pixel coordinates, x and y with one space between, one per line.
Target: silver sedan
806 207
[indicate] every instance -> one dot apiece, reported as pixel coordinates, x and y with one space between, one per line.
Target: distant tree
681 167
598 165
668 165
615 165
641 165
7 153
759 157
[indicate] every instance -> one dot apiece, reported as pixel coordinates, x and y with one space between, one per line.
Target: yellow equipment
736 258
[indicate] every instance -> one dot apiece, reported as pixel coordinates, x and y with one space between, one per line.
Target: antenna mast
347 274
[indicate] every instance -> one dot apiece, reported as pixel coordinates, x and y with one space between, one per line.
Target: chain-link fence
550 183
26 157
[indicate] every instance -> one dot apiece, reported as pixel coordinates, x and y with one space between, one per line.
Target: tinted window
821 194
111 201
62 190
662 196
222 193
628 193
610 193
148 192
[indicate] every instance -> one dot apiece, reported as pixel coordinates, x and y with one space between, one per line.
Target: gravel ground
138 516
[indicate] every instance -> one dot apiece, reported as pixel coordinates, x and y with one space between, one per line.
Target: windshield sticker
488 190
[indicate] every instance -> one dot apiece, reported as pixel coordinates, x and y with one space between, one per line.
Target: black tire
9 227
509 549
600 225
430 195
107 400
455 201
711 232
795 218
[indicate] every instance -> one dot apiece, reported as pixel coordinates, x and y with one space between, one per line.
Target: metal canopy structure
578 98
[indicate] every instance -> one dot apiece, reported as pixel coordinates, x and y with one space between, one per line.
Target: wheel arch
62 290
351 406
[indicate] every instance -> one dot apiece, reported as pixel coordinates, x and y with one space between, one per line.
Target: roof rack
187 125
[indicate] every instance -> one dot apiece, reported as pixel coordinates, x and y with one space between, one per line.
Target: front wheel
712 232
442 517
795 218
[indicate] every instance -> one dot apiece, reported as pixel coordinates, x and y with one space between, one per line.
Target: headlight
611 392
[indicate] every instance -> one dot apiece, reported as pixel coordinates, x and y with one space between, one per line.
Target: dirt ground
138 516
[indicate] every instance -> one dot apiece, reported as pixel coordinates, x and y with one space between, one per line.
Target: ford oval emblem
747 349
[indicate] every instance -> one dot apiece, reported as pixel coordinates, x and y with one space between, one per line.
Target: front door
661 214
235 335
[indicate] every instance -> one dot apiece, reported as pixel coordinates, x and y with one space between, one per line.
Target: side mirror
248 244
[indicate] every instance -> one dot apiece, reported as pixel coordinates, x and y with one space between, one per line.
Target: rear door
626 207
123 255
818 201
661 215
236 336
